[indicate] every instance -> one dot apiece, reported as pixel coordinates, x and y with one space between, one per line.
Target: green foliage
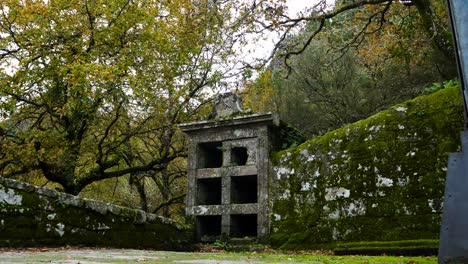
380 179
439 86
365 59
334 87
93 90
222 245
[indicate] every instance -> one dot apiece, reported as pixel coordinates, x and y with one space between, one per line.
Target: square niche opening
244 189
208 227
209 191
210 155
244 225
239 156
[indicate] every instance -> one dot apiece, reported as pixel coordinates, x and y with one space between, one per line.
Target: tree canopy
87 84
363 17
335 66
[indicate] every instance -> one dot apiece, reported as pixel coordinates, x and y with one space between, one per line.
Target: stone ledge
35 216
139 216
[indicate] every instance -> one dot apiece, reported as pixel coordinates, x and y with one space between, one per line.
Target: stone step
242 241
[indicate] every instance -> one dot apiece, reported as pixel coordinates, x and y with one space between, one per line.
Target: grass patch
420 247
406 247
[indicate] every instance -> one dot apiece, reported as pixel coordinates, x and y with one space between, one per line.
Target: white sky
297 5
262 48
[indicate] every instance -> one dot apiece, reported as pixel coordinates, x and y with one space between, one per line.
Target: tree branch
172 200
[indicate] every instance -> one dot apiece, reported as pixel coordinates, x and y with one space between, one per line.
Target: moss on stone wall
380 179
32 216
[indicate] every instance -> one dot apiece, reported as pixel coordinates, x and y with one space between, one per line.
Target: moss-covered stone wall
380 179
32 216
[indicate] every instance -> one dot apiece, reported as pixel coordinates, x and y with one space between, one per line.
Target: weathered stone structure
229 171
33 216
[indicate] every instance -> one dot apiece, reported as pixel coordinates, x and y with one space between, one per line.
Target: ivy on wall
380 179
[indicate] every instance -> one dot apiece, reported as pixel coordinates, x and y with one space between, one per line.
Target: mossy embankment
380 179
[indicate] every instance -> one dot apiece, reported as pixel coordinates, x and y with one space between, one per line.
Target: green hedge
380 179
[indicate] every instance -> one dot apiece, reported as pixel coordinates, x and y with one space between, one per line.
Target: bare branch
289 23
172 200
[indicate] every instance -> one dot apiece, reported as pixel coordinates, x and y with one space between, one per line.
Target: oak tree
87 86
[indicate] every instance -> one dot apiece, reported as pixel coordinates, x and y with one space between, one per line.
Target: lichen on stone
9 196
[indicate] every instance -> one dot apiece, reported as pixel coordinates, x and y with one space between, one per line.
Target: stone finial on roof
226 105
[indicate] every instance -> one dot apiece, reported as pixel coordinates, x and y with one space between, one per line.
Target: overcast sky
298 5
260 49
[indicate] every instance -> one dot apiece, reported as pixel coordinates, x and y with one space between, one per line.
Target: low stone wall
381 179
32 216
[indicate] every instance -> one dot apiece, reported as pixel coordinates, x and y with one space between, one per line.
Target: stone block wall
380 179
32 216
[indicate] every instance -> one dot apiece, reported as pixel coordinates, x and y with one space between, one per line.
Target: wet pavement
102 256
